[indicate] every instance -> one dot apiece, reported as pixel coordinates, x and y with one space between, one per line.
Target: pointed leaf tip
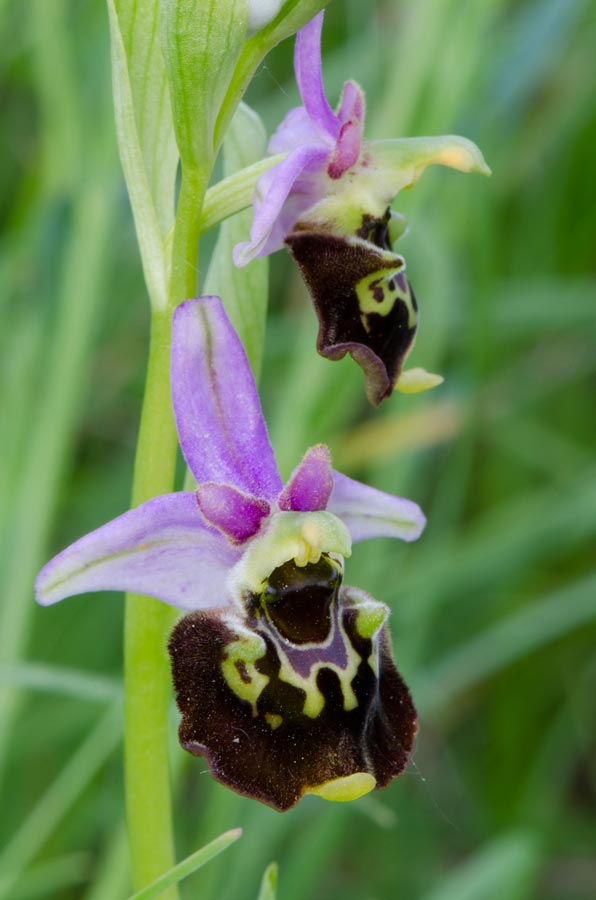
188 866
268 889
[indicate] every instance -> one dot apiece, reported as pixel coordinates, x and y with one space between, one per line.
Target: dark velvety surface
279 752
332 267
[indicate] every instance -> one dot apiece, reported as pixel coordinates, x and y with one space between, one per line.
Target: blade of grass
50 878
77 296
59 798
569 737
522 633
188 866
541 521
263 833
58 93
47 452
524 307
58 680
268 889
503 869
112 874
320 844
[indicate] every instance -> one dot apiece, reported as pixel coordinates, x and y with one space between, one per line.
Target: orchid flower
284 677
329 200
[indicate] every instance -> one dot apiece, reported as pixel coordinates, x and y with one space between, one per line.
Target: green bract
145 133
202 42
245 292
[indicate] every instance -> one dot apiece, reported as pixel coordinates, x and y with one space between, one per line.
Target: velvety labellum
300 696
363 300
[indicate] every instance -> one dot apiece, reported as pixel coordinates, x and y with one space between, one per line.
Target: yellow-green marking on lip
414 381
342 790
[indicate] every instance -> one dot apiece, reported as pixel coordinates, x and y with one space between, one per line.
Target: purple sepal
161 548
369 513
310 484
236 514
218 414
309 76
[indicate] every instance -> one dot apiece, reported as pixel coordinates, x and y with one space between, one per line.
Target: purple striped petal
161 548
310 484
236 514
277 209
309 76
369 513
218 414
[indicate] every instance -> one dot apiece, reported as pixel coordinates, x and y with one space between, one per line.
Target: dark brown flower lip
363 301
274 733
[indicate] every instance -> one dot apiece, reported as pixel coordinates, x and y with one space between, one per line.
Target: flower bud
261 12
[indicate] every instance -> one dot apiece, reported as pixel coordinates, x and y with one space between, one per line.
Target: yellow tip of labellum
342 790
414 381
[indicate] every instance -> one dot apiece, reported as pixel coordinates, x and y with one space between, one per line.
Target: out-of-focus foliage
494 609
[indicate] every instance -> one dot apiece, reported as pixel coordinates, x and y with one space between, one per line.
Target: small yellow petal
342 790
414 381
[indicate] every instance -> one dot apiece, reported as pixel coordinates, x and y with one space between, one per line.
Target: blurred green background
494 608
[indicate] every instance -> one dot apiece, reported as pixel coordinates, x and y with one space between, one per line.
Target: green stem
183 278
145 652
148 622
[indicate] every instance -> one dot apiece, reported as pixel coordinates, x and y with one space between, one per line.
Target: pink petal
236 514
351 105
347 150
310 484
309 76
348 147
